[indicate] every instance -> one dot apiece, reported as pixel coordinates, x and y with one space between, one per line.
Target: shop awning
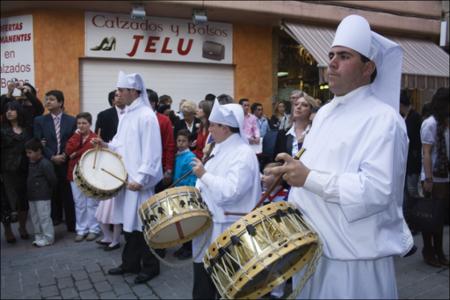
425 65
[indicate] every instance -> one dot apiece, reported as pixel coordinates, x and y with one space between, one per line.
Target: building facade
259 50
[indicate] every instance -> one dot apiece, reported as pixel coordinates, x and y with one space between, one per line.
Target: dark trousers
203 286
135 251
15 185
433 241
62 199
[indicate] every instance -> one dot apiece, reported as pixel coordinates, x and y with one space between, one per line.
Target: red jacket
167 141
201 141
74 144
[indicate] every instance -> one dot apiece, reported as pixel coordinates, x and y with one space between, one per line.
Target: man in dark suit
108 120
54 129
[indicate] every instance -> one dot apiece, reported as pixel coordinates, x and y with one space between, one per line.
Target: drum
260 251
174 216
105 179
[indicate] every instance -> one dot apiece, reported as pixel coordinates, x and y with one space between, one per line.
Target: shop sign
164 39
17 55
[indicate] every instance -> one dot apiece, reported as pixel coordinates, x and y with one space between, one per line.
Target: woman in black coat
14 164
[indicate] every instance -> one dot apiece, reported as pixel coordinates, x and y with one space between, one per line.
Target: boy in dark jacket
40 182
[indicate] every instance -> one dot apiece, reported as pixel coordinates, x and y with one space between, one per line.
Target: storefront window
297 70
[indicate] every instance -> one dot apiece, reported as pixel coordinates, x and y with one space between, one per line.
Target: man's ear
369 68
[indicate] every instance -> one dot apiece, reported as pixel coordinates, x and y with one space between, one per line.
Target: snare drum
106 179
174 216
260 251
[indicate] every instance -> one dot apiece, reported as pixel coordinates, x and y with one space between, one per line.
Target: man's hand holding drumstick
97 141
294 171
197 167
132 186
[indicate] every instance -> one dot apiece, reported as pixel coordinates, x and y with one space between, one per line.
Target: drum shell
87 187
237 260
163 216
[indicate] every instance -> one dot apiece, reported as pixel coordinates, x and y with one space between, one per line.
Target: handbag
423 214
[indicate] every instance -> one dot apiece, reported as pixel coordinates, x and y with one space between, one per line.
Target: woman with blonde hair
303 108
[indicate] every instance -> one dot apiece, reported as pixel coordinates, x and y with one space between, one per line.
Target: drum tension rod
251 230
279 215
235 240
161 210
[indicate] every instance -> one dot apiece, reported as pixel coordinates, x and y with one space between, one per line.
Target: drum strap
206 238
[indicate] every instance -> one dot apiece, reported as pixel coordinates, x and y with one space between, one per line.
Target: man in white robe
349 182
229 181
138 141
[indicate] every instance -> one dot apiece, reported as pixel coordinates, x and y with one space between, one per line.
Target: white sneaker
42 243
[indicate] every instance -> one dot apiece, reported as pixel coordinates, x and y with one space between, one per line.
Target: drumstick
187 174
96 148
115 176
266 194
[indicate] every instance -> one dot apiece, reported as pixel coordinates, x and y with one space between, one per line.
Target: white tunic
353 196
231 183
138 141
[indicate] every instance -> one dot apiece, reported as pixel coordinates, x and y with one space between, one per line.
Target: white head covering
354 32
228 114
133 81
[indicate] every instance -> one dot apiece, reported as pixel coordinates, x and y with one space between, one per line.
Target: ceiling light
199 16
138 12
282 74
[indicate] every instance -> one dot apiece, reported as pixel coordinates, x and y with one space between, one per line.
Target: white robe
138 141
231 183
353 196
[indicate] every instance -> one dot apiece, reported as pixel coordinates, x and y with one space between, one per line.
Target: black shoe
186 254
161 252
116 271
120 271
178 252
143 278
116 246
102 243
56 222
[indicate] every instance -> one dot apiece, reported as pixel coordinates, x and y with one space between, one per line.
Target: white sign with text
163 39
17 51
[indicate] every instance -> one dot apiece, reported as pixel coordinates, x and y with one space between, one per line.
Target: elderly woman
189 122
291 142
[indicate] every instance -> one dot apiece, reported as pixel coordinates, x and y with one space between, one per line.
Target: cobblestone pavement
79 270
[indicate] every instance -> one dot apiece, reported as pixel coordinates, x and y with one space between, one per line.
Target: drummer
229 181
138 141
349 182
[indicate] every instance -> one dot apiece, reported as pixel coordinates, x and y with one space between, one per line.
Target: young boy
86 224
183 165
183 159
40 183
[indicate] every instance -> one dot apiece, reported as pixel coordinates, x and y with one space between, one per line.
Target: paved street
79 270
